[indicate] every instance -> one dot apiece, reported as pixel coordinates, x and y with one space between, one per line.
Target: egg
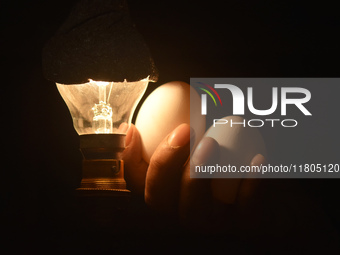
238 146
163 110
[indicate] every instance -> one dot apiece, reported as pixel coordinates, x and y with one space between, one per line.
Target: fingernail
128 137
206 151
180 136
258 160
123 127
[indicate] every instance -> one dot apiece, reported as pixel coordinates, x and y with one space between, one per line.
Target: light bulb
101 66
99 107
102 112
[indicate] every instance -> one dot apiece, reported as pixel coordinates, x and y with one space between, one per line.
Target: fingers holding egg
169 106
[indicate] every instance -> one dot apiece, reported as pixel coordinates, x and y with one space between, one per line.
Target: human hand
167 186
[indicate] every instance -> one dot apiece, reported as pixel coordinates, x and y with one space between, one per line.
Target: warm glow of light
99 107
99 83
102 120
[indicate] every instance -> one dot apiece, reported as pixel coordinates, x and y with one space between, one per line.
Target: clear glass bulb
99 107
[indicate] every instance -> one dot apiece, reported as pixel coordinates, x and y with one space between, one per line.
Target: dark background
41 159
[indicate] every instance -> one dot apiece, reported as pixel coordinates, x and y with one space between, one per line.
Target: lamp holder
103 168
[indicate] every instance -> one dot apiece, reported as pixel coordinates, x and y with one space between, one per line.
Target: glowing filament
102 120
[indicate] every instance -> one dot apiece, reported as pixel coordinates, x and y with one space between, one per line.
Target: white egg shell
238 146
164 109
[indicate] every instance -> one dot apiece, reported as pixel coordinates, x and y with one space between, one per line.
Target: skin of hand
166 184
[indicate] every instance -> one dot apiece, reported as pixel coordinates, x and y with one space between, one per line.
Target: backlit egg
164 109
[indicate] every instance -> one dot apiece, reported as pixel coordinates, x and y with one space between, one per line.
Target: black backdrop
41 159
